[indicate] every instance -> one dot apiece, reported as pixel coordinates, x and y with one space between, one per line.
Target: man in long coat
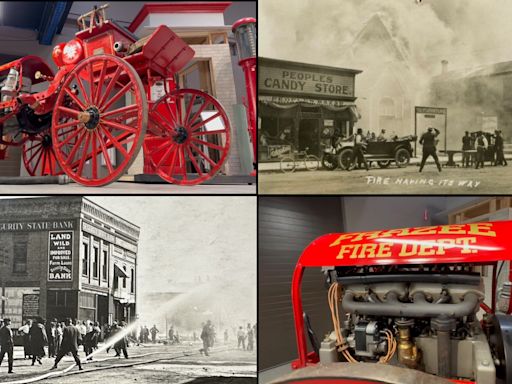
38 340
6 343
70 336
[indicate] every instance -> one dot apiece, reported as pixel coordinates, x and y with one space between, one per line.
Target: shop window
20 252
387 107
104 266
87 300
85 259
132 281
95 265
269 130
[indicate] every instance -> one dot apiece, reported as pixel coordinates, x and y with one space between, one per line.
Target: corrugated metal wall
286 226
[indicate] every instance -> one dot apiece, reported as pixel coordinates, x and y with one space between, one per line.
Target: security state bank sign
60 256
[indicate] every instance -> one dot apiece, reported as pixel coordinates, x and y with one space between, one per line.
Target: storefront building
66 257
300 103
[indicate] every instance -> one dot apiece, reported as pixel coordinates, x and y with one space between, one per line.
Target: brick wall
224 87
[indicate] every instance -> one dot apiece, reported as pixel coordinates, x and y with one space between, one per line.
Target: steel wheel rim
39 157
90 123
284 165
184 139
312 160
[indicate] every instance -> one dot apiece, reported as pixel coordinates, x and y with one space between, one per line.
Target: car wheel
344 159
384 164
329 162
402 157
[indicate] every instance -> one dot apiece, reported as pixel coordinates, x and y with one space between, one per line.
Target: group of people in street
249 334
61 338
486 146
208 336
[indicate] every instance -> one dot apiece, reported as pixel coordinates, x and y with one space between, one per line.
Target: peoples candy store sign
320 82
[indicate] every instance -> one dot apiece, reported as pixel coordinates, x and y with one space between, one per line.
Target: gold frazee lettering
452 229
340 238
481 229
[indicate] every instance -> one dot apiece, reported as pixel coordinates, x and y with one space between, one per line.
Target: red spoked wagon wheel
188 137
39 157
99 121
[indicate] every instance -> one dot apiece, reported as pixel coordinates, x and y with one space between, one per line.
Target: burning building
386 88
66 257
478 99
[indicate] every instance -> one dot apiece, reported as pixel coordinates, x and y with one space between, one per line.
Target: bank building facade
66 257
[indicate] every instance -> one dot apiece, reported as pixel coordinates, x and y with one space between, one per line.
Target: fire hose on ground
66 371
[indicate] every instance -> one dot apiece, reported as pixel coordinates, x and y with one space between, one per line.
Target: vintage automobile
112 95
398 150
408 306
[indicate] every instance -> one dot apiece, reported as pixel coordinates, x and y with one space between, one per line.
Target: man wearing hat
6 343
428 140
358 153
481 147
500 156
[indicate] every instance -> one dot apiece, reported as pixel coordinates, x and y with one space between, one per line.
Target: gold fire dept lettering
475 229
418 249
414 249
365 251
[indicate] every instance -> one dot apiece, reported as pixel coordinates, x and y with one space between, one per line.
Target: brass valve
408 354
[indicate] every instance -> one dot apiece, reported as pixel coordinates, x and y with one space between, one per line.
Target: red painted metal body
475 243
88 123
244 30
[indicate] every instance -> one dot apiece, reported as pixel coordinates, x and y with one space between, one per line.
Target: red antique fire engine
405 306
112 95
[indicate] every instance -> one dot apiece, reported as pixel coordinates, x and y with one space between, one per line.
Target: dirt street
390 181
148 364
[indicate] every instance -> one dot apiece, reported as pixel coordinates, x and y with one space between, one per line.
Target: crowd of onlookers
59 338
209 337
55 339
488 147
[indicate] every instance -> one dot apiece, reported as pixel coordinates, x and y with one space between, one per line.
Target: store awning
119 272
350 109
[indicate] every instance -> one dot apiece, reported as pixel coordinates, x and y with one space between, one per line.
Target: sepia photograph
380 96
128 289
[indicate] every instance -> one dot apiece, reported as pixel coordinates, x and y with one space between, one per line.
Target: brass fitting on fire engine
408 354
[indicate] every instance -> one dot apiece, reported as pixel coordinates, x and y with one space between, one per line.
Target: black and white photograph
380 96
128 289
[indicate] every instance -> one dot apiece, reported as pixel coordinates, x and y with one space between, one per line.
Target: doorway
309 136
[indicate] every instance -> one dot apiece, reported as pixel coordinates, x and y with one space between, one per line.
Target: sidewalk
275 166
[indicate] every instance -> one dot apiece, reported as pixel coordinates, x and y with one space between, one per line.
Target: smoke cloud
417 37
466 33
196 259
